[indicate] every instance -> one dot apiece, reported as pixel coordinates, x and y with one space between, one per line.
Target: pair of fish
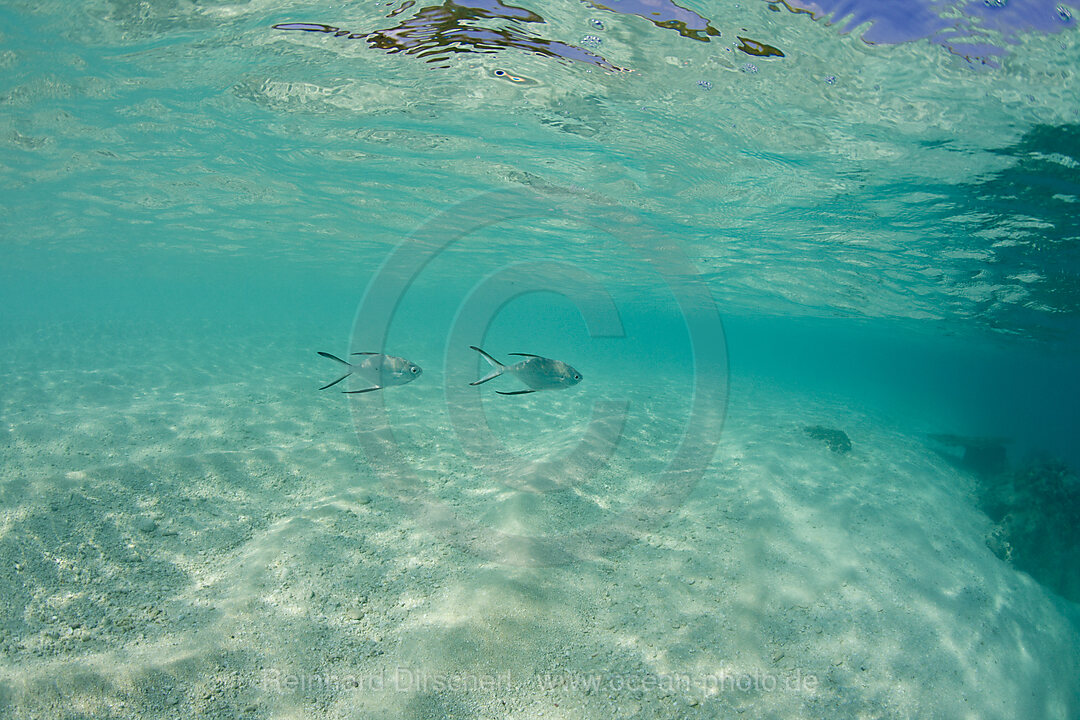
383 371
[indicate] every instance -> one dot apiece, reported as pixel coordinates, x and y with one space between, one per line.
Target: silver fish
378 370
539 373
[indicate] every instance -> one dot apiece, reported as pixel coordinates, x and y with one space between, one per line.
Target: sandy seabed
185 540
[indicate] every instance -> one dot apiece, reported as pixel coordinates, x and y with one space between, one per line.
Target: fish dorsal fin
365 353
525 354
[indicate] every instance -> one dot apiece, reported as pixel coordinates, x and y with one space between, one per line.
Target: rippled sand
181 539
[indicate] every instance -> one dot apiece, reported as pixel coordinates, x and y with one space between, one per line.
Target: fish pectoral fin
516 392
336 381
525 354
355 392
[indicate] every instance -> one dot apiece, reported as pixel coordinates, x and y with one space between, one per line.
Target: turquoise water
753 228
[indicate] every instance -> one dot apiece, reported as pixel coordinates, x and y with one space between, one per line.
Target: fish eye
414 369
577 377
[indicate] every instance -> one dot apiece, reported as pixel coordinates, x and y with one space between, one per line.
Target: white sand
180 540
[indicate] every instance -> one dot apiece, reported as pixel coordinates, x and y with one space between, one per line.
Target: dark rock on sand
1036 510
983 455
835 440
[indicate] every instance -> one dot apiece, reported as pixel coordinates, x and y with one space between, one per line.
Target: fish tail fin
499 367
335 357
336 381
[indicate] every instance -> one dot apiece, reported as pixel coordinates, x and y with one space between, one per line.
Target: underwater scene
490 359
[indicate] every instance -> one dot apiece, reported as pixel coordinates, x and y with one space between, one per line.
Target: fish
380 371
539 373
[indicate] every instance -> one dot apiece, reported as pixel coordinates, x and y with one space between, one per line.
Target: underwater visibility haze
776 414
